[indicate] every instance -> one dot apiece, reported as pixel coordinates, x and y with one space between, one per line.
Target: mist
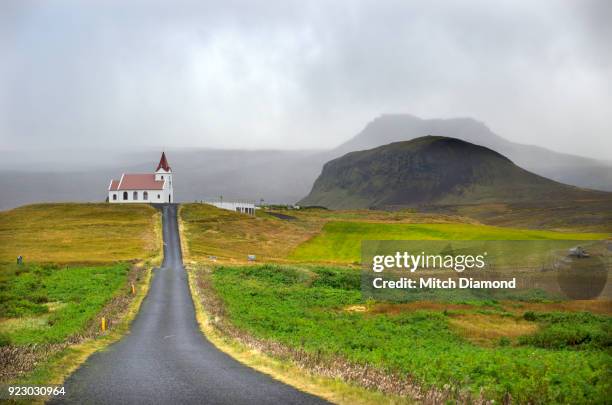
122 76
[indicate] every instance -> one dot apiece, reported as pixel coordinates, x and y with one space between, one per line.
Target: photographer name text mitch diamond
438 283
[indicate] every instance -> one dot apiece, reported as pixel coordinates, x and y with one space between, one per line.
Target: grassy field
529 350
340 241
523 344
79 262
569 215
48 304
78 233
231 236
331 236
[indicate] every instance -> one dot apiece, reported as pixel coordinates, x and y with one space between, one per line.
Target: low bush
560 330
335 278
5 339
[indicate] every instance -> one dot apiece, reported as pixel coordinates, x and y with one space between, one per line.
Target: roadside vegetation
532 356
48 304
229 235
460 345
80 261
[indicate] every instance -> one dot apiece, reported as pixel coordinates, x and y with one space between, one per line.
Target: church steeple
163 163
164 173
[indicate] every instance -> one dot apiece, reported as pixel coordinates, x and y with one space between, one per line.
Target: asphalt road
165 359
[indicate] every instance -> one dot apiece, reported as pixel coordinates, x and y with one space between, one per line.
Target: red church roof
140 182
163 163
114 185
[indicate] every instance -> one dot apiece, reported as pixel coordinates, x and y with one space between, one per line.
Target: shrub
276 274
5 340
334 278
529 316
504 341
560 330
38 297
559 336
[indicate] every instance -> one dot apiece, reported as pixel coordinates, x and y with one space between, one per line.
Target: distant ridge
431 170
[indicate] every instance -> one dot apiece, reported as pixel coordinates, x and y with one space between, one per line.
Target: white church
144 187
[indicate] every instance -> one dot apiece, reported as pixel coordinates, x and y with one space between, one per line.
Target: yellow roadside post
103 324
133 289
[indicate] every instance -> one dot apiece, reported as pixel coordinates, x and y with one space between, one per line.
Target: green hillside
433 170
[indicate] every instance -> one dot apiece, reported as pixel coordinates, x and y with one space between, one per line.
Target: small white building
144 187
241 207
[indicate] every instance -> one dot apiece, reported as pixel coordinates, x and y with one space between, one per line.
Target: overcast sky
300 74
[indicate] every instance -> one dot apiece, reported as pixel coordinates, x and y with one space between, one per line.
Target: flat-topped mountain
431 170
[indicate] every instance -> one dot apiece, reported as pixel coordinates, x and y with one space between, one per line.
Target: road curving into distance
165 359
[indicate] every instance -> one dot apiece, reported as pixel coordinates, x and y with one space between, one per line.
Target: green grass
48 304
340 241
78 233
211 231
303 308
77 259
570 330
43 302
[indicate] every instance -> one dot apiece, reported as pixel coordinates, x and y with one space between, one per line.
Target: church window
158 196
145 195
125 196
135 196
114 197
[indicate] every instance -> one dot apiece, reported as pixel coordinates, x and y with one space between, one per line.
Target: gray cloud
295 74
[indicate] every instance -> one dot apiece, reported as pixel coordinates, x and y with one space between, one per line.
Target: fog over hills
278 176
570 169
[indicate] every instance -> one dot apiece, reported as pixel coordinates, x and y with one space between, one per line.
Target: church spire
163 163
